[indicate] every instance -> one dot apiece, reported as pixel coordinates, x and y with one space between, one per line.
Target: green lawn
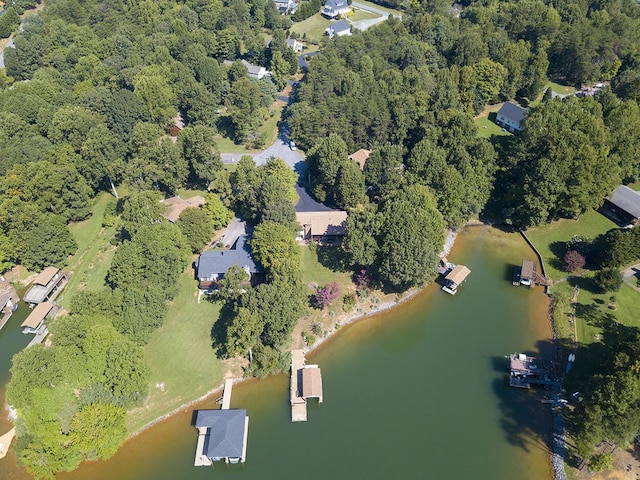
312 28
380 7
92 260
317 266
180 355
550 237
270 127
359 14
487 128
561 89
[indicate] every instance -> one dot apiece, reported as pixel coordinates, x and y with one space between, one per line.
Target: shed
225 434
36 317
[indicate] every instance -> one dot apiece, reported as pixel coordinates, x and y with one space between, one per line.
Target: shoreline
350 319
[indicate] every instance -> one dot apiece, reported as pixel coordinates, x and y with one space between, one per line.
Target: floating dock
306 382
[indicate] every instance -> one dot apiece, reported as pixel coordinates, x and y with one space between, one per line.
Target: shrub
601 462
608 279
327 294
573 261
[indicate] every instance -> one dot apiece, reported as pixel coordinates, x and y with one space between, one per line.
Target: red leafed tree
573 261
327 294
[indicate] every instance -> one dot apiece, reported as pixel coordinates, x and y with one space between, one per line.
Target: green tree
608 279
9 22
197 228
323 162
98 430
139 209
199 149
152 87
219 215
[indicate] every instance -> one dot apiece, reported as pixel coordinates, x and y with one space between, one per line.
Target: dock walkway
226 394
39 337
298 404
5 441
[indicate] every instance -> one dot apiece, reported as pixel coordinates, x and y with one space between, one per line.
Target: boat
516 276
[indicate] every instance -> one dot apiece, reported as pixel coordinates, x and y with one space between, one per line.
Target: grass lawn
561 89
380 7
551 238
362 15
176 354
92 260
486 128
313 27
270 127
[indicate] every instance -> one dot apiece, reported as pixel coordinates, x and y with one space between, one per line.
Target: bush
601 462
325 295
573 261
608 280
348 301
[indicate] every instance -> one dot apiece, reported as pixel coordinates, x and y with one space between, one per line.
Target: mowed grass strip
183 364
313 27
552 237
93 257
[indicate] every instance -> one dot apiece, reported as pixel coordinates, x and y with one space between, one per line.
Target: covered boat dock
46 286
306 382
36 318
454 278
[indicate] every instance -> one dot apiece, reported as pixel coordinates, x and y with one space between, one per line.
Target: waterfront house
360 157
511 117
222 435
36 318
339 29
175 206
336 8
624 205
326 227
46 285
212 265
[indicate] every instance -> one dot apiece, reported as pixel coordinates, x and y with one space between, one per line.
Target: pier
306 382
8 301
5 441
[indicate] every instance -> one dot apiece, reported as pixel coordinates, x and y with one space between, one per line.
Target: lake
417 391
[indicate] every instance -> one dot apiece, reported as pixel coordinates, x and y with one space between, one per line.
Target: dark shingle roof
219 261
226 432
512 111
340 26
626 199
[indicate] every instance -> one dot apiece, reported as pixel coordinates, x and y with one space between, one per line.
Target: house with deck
212 265
335 8
222 436
624 205
511 117
326 227
46 286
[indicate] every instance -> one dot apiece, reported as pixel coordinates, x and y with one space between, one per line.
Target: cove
417 391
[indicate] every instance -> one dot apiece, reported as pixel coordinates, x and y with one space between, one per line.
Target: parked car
292 145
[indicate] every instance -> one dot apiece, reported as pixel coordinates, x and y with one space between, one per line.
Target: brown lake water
417 391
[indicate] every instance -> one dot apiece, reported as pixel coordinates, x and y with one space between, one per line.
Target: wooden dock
226 394
39 337
306 382
5 442
201 460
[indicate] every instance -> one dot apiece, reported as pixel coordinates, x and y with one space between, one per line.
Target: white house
294 44
335 8
284 5
511 117
254 71
339 29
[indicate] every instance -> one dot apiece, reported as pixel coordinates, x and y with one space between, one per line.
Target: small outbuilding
311 382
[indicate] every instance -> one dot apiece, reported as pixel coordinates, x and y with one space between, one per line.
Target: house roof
45 276
512 111
336 4
626 199
311 382
458 274
175 206
340 26
37 315
220 261
332 222
528 269
360 157
252 69
226 432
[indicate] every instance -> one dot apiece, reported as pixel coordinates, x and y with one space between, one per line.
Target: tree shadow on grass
332 258
219 330
559 249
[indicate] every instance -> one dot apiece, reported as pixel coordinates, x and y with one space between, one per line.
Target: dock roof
458 274
45 276
226 432
311 382
528 270
37 315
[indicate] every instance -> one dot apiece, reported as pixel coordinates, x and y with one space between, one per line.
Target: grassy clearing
180 356
269 127
551 238
312 28
359 14
561 89
92 260
380 7
486 128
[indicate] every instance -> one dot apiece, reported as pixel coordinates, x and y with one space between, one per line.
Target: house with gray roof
212 265
511 117
624 204
224 433
339 28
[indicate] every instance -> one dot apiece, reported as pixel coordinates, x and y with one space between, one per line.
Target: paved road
302 63
280 149
363 25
